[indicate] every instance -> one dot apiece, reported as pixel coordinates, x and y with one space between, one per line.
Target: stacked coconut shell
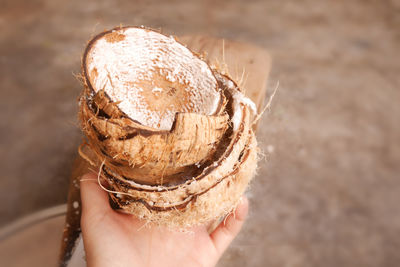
172 138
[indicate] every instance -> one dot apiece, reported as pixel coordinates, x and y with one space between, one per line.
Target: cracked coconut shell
171 136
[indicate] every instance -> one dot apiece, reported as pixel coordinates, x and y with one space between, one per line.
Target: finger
230 227
94 198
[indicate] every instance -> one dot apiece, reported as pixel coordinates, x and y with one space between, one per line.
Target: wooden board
247 64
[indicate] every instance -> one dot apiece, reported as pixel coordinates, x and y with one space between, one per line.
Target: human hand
113 239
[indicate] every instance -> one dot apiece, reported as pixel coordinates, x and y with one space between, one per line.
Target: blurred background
327 191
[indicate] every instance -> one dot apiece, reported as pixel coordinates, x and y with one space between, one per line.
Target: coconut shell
154 152
201 207
188 175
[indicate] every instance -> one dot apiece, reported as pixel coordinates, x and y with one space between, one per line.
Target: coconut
172 138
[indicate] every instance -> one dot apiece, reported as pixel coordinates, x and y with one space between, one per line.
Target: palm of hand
115 239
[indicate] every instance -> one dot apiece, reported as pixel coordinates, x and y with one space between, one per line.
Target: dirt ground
328 189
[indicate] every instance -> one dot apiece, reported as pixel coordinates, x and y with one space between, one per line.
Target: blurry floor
328 188
37 245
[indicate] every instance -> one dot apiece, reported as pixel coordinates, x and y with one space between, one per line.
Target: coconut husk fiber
172 137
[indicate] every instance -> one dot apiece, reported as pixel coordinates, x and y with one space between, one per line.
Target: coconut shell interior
150 76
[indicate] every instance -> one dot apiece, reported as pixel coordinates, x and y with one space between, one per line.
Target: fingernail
242 208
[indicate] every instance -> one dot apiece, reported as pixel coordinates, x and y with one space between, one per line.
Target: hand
113 239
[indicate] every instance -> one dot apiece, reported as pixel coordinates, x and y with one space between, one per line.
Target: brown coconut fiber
171 137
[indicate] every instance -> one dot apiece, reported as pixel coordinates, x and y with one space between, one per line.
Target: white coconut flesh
150 76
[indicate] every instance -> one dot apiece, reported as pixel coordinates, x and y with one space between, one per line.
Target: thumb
228 229
94 198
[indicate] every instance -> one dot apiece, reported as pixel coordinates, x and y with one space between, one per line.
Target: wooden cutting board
247 64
